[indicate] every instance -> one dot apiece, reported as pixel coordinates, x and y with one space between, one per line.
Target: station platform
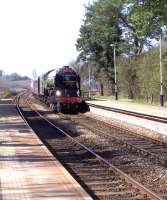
27 169
157 127
139 108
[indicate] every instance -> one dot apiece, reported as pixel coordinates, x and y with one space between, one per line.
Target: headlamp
58 93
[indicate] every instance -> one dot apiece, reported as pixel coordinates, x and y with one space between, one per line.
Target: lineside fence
89 94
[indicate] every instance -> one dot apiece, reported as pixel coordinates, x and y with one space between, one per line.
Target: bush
5 93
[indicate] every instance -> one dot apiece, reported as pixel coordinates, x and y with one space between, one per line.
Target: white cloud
38 33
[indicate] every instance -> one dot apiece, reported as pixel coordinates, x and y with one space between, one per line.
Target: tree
145 19
99 31
130 25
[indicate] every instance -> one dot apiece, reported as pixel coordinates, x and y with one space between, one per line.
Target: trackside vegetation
4 93
134 27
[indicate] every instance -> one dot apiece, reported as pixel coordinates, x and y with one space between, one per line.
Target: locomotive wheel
83 107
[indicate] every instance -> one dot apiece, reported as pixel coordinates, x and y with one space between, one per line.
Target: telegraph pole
115 73
161 76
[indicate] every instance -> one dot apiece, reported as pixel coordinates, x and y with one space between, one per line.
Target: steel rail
19 110
128 131
131 113
145 191
132 146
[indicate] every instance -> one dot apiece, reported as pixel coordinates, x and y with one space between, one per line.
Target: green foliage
5 93
139 77
127 77
148 73
99 31
147 17
130 25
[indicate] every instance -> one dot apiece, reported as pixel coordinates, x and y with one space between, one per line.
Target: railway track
102 179
154 149
131 113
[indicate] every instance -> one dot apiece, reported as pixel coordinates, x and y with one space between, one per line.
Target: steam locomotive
60 89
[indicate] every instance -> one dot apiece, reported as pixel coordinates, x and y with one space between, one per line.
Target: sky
38 34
